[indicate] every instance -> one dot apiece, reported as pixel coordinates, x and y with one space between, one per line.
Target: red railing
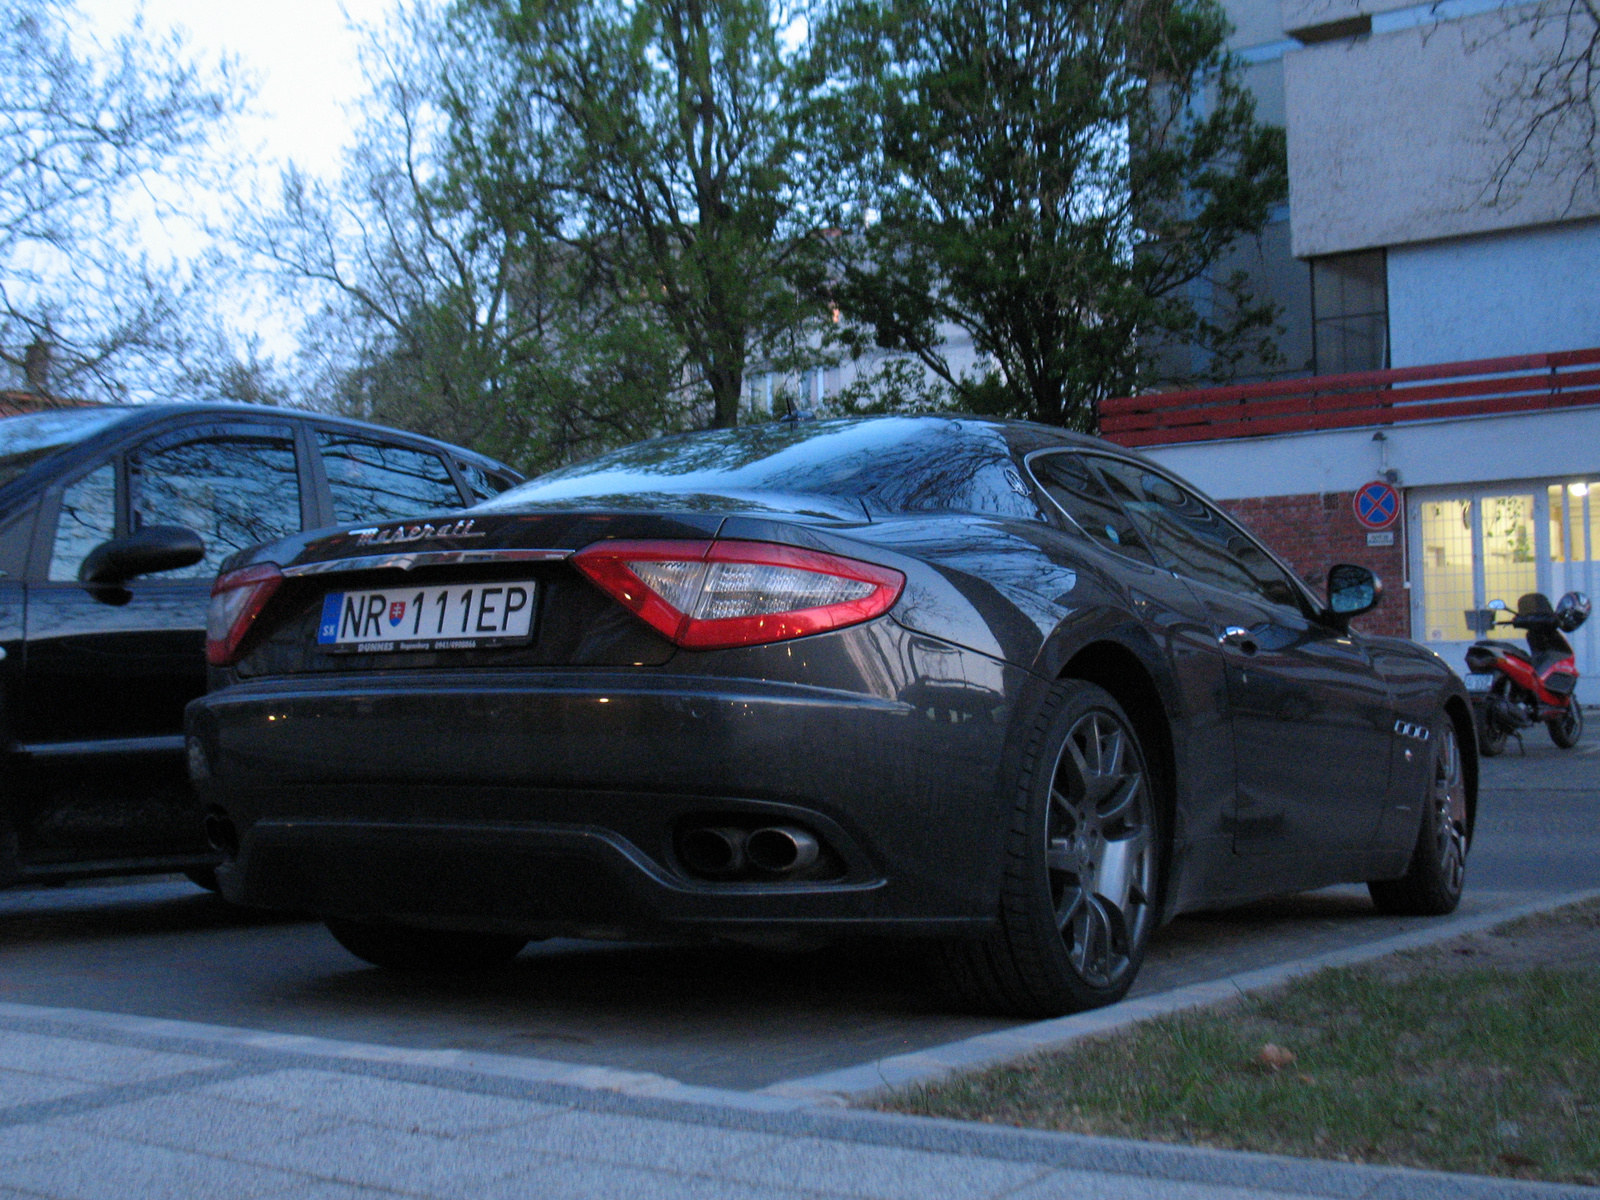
1464 389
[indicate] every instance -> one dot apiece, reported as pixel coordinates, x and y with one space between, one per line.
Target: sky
302 52
303 57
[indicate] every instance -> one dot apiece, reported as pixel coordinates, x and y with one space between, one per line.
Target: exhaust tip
222 835
780 849
712 850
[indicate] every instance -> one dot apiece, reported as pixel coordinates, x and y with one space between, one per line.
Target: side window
374 481
1194 538
1268 577
484 485
88 517
1068 481
233 492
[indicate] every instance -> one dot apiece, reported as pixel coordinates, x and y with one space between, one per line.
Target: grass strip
1418 1060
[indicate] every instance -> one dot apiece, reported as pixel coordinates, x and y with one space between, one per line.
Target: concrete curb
647 1097
853 1085
829 1090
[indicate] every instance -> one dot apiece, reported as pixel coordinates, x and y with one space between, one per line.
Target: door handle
1239 638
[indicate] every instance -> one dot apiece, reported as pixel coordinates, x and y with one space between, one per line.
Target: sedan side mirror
151 550
1352 590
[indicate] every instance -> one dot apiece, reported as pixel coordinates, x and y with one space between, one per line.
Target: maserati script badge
414 533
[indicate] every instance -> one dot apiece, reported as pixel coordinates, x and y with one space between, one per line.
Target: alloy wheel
1100 849
1449 800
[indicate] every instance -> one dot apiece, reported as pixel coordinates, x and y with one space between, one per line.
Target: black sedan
113 522
995 685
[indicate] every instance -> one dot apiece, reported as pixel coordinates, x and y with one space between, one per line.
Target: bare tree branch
1545 107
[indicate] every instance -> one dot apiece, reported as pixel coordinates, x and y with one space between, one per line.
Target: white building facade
1405 245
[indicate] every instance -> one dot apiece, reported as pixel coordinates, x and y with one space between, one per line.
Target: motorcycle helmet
1572 610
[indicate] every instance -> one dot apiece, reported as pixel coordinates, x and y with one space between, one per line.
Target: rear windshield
887 465
30 439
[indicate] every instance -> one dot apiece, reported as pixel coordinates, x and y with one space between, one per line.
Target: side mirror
1498 605
1352 590
151 550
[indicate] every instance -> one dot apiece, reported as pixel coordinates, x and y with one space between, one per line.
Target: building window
1350 312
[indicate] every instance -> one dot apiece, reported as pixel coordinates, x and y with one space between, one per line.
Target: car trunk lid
398 564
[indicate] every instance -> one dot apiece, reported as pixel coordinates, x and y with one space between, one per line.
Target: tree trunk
726 387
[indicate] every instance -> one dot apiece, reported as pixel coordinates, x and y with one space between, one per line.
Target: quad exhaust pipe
780 849
721 851
713 850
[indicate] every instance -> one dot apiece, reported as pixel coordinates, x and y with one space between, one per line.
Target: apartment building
1442 321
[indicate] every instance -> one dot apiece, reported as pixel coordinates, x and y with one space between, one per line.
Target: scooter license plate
1479 683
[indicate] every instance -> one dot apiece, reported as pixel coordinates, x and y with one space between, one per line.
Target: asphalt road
727 1017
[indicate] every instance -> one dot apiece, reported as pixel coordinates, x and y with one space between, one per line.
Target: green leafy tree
1050 176
443 307
654 139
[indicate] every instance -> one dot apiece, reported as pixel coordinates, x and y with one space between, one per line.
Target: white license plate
1479 683
462 616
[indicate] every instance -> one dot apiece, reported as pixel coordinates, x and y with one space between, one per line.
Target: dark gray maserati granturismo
1005 688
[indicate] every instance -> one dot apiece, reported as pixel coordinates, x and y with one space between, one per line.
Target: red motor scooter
1512 688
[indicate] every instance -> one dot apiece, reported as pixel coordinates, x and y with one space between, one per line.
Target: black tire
1566 730
1081 888
1491 738
205 877
1434 878
403 948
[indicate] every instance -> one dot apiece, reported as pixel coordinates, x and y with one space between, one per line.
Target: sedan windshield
29 439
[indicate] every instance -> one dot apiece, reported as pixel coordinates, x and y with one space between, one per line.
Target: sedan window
233 492
483 485
88 517
375 481
1196 540
1068 481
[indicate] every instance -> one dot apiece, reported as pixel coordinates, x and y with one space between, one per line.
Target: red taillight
236 600
709 595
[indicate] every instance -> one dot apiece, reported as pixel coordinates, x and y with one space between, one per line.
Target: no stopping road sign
1377 505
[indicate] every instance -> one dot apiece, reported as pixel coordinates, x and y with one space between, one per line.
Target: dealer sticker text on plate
470 616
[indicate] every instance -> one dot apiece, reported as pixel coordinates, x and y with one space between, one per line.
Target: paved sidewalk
104 1107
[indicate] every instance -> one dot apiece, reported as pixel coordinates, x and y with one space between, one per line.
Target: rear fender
972 580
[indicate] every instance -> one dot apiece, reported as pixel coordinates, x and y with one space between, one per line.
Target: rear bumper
549 802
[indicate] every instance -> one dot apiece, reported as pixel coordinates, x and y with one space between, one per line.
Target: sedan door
105 686
1313 721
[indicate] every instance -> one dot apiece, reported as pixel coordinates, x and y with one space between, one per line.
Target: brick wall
1314 531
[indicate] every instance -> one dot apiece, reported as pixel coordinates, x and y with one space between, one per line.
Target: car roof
139 417
149 414
858 465
1023 437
